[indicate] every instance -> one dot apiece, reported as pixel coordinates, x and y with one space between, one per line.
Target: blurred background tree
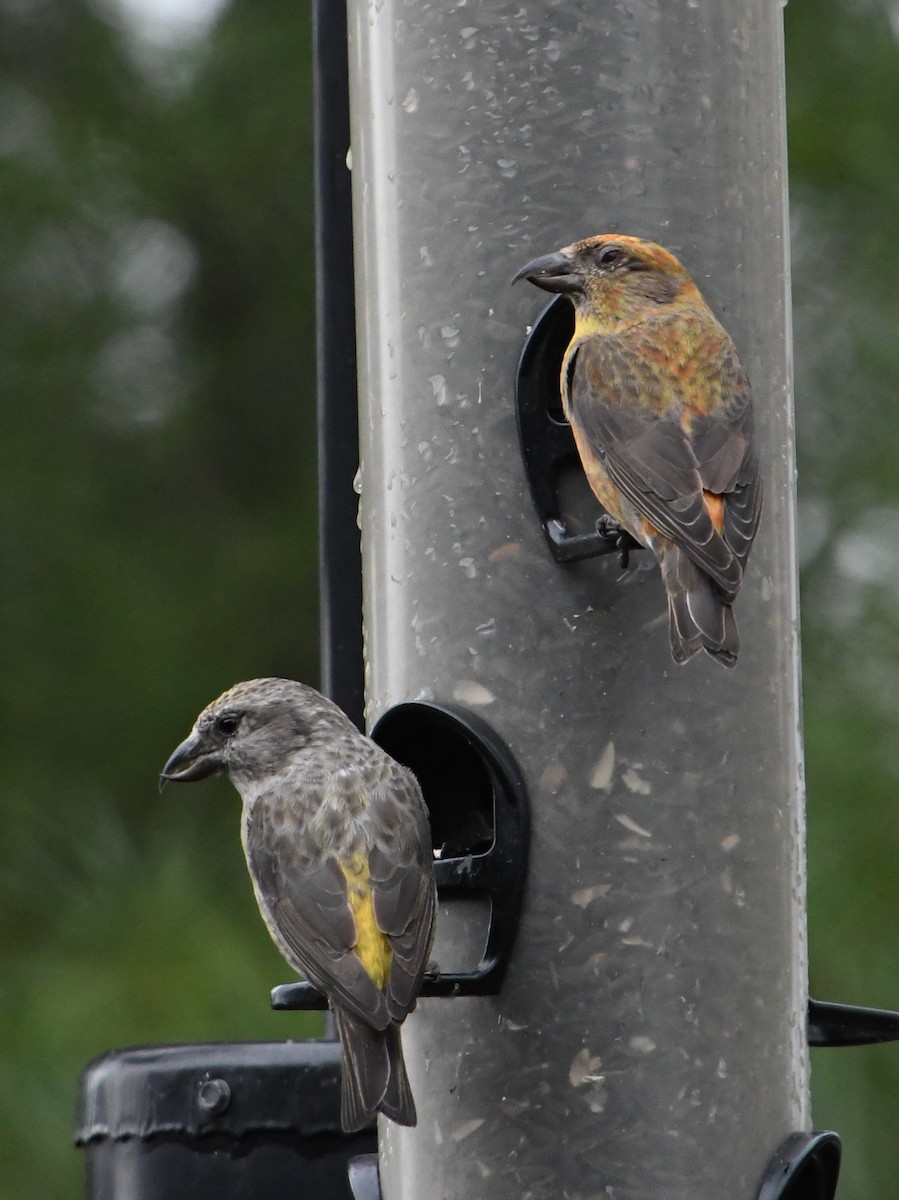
158 520
158 523
843 97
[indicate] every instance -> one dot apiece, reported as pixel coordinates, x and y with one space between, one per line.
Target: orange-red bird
659 405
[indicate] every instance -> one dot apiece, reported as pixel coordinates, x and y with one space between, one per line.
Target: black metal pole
340 570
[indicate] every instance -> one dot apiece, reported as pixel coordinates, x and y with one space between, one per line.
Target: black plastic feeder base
218 1121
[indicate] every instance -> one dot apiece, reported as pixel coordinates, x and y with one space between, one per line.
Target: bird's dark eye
227 724
610 255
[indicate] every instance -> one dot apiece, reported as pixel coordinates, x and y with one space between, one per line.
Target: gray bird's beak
190 761
553 272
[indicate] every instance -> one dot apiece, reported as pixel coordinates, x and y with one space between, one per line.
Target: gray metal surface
649 1039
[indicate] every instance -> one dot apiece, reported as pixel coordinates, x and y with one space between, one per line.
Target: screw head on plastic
214 1096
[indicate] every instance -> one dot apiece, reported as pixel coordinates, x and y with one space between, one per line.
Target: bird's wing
663 466
725 448
306 902
402 872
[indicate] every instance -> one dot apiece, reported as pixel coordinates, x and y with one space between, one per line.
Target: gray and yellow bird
338 846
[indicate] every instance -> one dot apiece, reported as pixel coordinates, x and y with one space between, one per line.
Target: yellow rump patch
372 945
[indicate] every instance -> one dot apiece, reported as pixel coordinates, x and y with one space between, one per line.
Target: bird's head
253 730
611 273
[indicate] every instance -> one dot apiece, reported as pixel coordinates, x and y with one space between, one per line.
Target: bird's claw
610 529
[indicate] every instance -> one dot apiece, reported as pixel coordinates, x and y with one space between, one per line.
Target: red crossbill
659 405
338 845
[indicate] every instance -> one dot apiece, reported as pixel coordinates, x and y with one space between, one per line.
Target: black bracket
480 825
547 443
849 1025
805 1167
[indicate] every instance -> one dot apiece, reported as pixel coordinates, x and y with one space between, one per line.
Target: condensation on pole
649 1041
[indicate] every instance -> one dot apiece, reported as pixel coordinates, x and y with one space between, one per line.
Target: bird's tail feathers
698 617
374 1073
397 1102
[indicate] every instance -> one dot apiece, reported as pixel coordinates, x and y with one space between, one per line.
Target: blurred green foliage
157 528
843 101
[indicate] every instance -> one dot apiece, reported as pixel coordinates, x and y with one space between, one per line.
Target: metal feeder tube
649 1039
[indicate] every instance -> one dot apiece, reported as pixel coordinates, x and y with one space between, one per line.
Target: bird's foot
613 531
